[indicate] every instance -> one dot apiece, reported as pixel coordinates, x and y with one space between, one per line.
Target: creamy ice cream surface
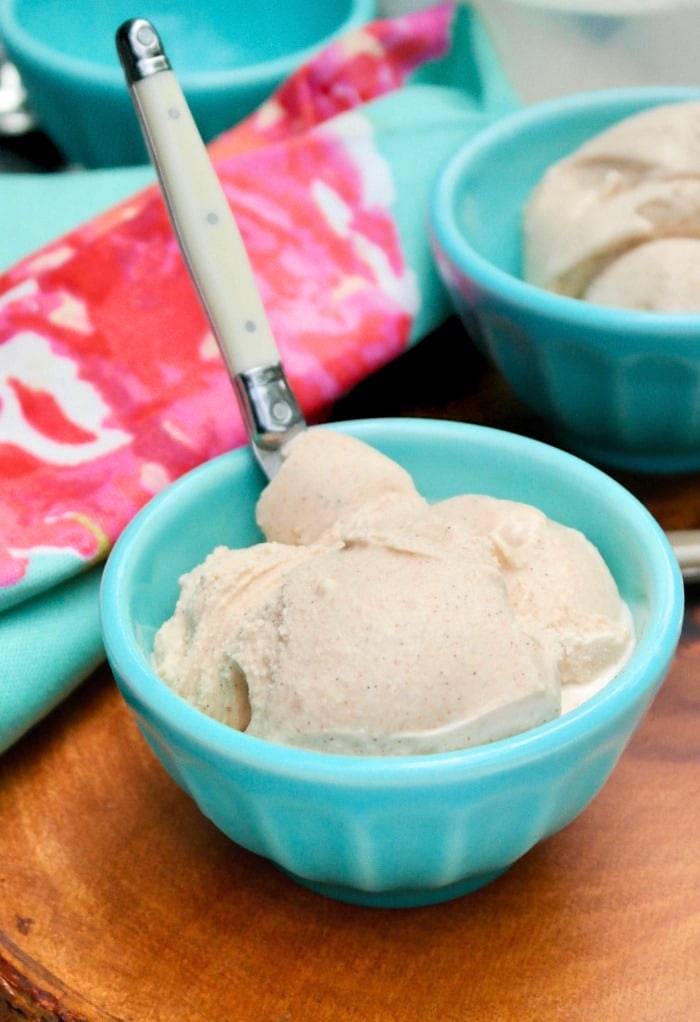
393 626
324 481
659 276
617 222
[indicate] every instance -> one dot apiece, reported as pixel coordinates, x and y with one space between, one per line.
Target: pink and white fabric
111 384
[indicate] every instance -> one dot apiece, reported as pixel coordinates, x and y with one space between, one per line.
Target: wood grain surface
119 901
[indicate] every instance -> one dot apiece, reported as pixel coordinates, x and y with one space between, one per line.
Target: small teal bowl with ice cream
619 386
393 830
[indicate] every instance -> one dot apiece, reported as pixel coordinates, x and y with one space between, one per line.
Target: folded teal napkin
110 383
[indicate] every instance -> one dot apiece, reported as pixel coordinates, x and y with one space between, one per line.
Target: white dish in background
554 47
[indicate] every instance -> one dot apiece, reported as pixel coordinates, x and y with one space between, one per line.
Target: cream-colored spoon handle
211 244
209 237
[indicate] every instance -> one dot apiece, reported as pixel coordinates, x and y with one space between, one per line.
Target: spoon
218 262
211 245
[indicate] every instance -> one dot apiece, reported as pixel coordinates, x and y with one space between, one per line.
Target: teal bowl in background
228 58
392 831
619 387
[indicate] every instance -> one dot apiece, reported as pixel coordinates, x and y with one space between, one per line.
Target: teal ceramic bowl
620 387
393 831
228 58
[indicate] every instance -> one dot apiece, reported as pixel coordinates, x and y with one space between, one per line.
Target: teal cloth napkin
49 629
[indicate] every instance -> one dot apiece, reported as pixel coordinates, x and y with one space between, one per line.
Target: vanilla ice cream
617 222
372 622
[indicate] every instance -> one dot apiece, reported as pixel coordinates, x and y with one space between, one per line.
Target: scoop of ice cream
404 627
559 587
190 648
324 477
390 645
634 183
661 276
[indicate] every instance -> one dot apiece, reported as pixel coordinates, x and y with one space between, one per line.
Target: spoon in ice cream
211 244
218 262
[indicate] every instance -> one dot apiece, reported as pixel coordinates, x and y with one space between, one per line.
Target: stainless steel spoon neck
271 413
140 50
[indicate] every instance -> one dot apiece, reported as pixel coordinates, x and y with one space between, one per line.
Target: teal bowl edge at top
83 104
19 40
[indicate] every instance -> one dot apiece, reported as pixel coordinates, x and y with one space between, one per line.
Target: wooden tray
119 901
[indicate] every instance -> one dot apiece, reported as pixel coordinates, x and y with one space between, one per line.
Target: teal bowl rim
644 672
447 236
18 40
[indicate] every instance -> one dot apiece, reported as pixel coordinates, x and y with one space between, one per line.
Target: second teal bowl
620 387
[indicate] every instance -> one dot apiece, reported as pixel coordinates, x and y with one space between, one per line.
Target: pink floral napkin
111 384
